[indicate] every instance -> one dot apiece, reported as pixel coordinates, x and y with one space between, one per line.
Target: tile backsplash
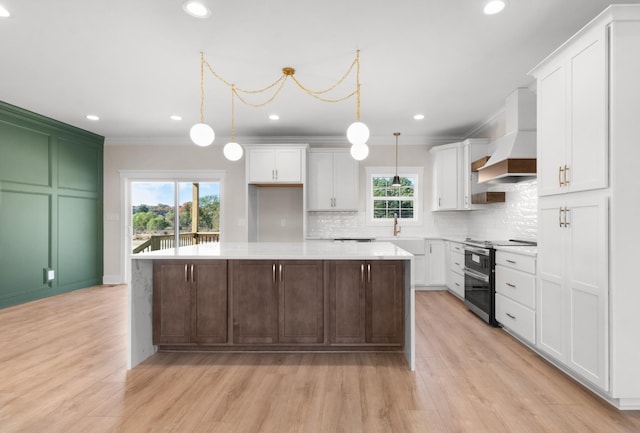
516 218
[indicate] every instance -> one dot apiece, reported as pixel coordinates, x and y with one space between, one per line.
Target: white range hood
514 158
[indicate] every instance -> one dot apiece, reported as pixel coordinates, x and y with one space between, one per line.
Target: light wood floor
63 369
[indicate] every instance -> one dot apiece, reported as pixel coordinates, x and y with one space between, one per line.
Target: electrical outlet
283 222
49 275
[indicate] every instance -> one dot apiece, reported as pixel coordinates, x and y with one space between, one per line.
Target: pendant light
396 178
201 133
232 150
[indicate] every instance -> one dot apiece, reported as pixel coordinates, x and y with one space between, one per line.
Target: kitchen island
264 296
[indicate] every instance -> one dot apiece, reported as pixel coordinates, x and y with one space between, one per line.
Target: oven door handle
475 274
479 251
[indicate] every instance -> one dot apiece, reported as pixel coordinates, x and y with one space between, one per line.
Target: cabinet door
209 317
346 180
288 165
551 300
255 301
301 313
262 165
436 263
320 181
346 284
588 108
171 302
447 179
385 302
552 128
587 287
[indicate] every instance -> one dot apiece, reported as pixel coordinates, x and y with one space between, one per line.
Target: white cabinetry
588 111
516 293
573 284
435 262
275 164
455 275
333 178
453 181
572 117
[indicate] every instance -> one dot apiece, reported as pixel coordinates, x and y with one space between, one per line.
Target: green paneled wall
50 206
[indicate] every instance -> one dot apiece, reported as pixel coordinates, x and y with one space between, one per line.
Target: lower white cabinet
572 299
455 275
435 262
516 293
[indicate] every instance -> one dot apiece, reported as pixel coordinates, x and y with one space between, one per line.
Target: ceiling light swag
358 133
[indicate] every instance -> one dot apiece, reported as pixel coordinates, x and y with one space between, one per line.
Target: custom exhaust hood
514 157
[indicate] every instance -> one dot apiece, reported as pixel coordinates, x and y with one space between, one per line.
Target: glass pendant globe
202 134
358 133
232 151
359 151
493 7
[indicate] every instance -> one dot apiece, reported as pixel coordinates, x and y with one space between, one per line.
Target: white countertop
316 250
528 250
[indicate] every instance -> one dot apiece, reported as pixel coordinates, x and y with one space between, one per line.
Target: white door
320 181
346 181
288 165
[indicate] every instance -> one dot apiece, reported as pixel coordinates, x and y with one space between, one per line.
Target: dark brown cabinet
190 302
366 302
277 301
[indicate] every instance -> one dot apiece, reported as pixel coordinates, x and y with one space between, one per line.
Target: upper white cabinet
587 295
333 180
453 181
278 164
573 116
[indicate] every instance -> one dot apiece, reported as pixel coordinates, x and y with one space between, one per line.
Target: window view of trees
393 200
154 225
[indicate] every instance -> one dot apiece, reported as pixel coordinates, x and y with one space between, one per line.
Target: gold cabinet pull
566 175
560 217
362 273
273 271
186 272
561 176
193 277
281 273
369 272
566 217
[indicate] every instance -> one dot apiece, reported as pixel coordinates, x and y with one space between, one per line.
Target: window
385 201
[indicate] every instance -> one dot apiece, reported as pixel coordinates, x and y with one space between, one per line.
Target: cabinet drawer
456 262
516 318
455 247
456 283
516 285
516 261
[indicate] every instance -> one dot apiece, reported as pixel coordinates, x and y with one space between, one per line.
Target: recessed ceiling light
274 117
418 116
196 9
493 7
4 13
92 117
175 117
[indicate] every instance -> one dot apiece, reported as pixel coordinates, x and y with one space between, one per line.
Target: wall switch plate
49 275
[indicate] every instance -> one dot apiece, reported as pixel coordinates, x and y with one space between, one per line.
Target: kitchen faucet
396 228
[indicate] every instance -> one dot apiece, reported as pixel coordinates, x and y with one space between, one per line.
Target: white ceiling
136 62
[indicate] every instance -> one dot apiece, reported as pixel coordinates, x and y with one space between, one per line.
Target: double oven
479 276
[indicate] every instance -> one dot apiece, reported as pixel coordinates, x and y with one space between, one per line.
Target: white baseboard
112 279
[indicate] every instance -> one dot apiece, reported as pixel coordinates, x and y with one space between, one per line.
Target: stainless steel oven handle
476 274
479 251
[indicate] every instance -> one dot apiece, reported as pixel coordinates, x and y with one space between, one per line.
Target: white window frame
415 172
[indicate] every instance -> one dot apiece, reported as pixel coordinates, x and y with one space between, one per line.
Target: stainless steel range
479 276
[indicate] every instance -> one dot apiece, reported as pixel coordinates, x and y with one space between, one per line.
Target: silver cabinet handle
273 271
276 174
511 285
511 316
511 261
193 278
362 273
281 273
369 272
457 284
457 264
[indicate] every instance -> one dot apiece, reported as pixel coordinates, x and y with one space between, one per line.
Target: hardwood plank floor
63 369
